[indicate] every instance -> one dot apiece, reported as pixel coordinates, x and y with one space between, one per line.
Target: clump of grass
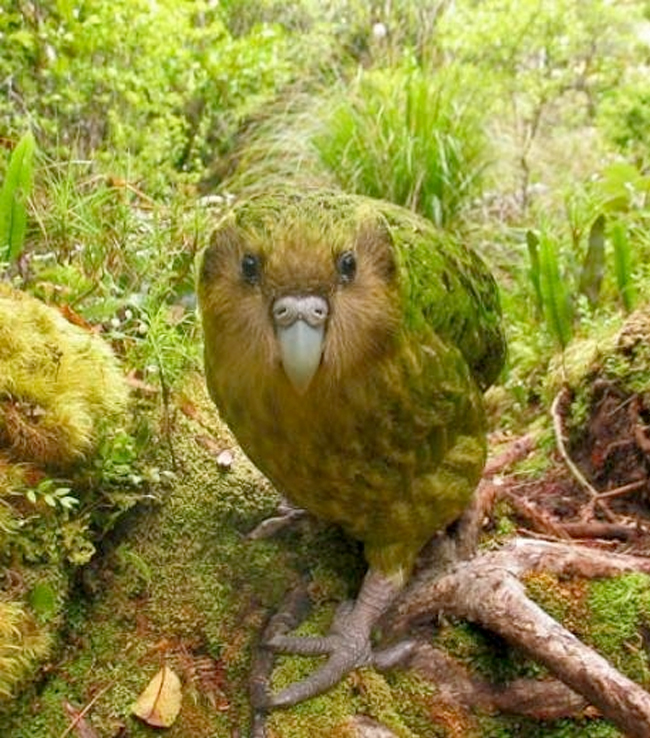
21 645
409 136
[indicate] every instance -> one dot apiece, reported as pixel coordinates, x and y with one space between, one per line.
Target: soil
613 453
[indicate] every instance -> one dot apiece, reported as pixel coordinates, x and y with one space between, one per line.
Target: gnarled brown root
486 590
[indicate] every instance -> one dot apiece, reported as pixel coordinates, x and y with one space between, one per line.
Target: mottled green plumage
389 438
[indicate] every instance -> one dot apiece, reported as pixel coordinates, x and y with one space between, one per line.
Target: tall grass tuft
551 290
410 136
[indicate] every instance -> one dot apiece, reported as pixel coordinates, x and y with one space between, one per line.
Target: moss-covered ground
178 582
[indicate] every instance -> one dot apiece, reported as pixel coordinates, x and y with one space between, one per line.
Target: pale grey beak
300 328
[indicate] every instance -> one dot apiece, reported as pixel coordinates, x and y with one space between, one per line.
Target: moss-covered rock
62 396
59 384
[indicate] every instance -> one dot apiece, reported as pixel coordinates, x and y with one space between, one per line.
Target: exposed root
486 590
293 610
541 700
558 409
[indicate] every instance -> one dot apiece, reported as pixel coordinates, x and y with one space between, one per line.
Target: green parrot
347 345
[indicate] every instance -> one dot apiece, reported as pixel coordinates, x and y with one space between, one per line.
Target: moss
61 391
563 599
618 619
180 581
58 383
514 727
485 653
611 615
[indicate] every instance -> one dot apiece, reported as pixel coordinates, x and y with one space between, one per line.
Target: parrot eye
251 268
346 265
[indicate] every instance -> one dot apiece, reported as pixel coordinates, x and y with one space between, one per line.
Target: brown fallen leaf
160 702
73 317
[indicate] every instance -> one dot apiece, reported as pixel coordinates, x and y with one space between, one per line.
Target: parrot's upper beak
300 328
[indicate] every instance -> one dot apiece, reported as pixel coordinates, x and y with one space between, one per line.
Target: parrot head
305 301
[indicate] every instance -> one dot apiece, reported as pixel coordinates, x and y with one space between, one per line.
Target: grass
408 135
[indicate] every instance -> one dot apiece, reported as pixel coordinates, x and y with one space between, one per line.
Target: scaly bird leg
348 644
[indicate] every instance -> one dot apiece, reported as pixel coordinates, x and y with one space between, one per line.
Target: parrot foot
347 646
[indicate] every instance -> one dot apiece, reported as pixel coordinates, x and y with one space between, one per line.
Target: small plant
553 299
623 264
52 495
16 188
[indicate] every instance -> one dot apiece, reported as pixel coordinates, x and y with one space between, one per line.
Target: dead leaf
73 317
160 702
206 674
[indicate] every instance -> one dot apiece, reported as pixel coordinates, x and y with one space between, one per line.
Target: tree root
547 699
486 590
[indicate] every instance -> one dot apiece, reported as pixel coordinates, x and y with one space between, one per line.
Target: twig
82 714
516 450
471 522
560 399
600 530
539 519
624 489
291 613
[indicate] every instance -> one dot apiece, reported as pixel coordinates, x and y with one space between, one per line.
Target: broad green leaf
13 197
593 267
623 264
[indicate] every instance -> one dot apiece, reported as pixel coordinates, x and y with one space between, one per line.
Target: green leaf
42 599
623 264
13 197
593 267
555 294
532 241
